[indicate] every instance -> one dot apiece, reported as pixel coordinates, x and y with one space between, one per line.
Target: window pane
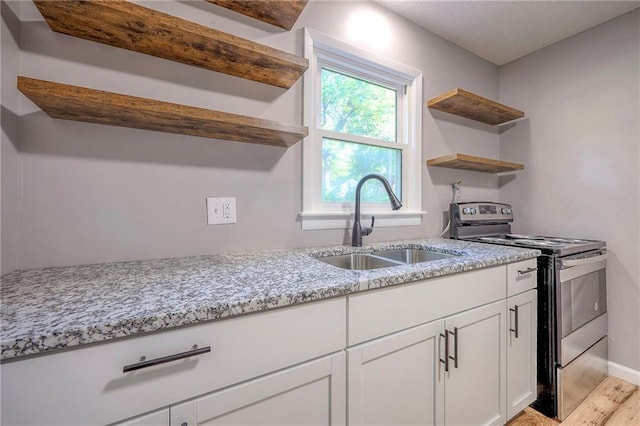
358 107
345 163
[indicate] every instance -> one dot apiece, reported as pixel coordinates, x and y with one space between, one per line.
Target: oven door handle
585 261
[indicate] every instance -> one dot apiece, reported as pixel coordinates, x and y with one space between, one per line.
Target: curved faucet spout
359 230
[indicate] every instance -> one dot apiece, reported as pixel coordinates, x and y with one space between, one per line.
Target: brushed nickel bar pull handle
526 271
445 361
515 330
586 261
169 358
455 347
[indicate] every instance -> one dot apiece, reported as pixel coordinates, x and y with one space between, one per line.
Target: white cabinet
404 378
309 394
89 386
444 352
521 352
522 276
522 335
289 366
392 380
373 314
475 382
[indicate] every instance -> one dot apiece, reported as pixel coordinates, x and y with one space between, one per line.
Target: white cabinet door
392 380
308 394
521 352
157 418
476 381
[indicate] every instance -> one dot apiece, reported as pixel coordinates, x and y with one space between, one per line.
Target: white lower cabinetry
392 380
309 394
402 379
475 384
521 352
432 352
88 386
463 368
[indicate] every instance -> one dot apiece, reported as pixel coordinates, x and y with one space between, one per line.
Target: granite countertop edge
44 310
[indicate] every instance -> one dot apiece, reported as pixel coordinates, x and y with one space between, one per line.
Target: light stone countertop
63 307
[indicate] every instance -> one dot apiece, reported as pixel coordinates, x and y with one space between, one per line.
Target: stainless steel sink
413 255
358 261
383 258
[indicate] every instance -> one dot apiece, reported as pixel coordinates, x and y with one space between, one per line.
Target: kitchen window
364 115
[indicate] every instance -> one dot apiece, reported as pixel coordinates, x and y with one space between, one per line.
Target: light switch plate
221 211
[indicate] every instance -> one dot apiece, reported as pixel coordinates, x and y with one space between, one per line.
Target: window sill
344 220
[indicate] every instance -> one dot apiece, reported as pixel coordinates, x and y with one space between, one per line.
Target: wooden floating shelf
129 26
281 13
469 105
475 164
96 106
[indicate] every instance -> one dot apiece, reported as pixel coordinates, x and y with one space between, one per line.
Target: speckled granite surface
52 308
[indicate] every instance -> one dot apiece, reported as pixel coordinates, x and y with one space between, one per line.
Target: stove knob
474 210
506 211
466 210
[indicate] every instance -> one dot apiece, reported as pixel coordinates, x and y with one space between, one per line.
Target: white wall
10 143
581 149
94 193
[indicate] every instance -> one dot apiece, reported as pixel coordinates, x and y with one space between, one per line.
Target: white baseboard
624 373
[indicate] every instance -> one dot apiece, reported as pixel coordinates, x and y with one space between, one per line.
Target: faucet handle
366 230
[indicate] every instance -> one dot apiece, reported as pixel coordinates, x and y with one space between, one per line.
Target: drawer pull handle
515 330
526 271
585 261
445 361
164 359
455 347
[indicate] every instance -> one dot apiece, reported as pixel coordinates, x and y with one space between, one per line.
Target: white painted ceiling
502 31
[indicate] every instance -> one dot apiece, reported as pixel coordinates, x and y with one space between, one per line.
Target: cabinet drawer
87 386
388 310
309 394
522 276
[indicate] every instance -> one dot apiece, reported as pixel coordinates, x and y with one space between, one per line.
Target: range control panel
480 212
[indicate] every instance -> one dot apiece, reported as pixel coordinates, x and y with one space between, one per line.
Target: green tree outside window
353 106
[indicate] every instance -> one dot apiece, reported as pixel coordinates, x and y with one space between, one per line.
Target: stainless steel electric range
572 303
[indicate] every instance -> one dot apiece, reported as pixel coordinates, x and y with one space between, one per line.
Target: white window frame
324 51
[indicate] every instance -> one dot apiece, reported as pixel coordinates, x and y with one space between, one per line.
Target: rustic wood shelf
281 13
129 26
475 164
96 106
469 105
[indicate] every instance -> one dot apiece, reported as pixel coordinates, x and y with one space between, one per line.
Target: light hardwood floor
613 403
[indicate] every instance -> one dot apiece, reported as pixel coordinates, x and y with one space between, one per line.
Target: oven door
581 303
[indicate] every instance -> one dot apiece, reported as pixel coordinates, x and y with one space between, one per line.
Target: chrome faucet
359 230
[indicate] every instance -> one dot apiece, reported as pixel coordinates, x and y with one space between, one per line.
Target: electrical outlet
221 211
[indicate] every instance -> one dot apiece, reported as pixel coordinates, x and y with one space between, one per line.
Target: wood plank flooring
613 403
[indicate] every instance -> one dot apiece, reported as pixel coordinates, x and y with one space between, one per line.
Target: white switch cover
221 211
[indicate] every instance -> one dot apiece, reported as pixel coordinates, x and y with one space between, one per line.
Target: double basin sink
384 258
